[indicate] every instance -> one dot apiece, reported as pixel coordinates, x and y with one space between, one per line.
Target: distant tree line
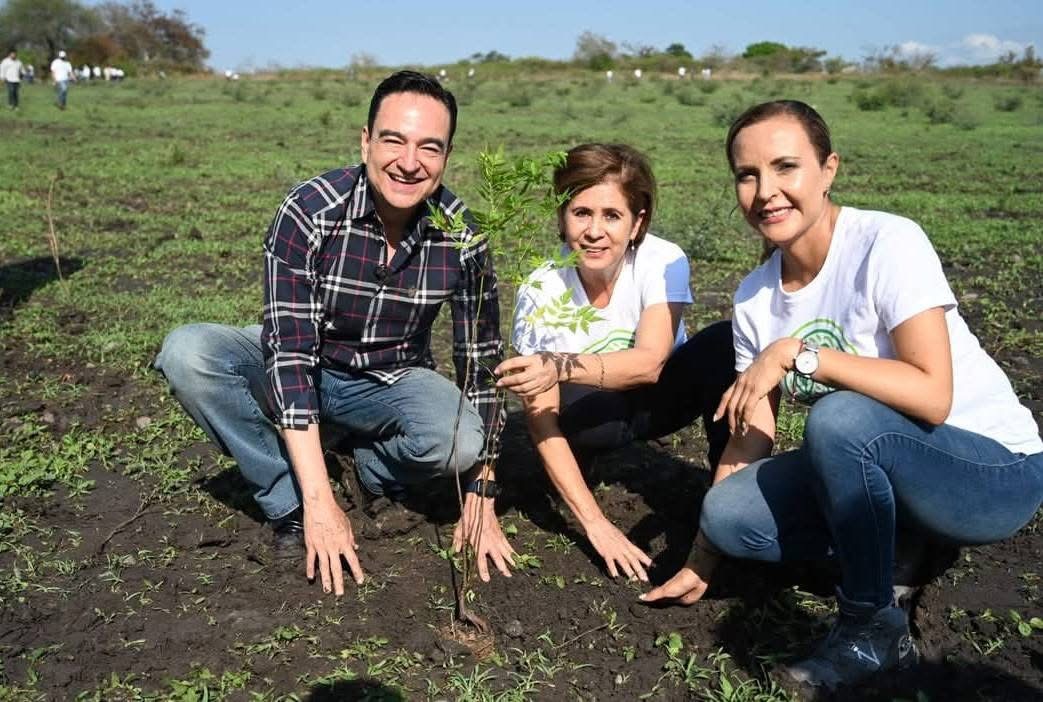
598 52
134 34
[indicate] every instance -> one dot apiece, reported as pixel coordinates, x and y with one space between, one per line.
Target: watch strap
483 487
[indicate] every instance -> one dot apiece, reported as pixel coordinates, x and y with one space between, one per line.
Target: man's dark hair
413 82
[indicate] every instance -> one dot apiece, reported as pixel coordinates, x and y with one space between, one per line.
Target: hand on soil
327 537
617 550
479 527
685 588
527 376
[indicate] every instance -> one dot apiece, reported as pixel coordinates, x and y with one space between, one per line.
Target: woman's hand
617 550
529 376
754 383
686 588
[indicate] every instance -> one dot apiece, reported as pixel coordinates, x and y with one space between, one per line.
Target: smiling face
780 182
598 223
405 153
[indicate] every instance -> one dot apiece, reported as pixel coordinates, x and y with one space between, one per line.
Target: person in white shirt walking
62 72
11 72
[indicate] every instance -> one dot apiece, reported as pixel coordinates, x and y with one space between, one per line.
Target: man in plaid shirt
355 274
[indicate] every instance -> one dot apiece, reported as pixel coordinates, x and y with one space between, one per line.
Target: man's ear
364 144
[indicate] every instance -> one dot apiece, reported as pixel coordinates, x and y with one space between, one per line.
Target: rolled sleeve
292 316
477 345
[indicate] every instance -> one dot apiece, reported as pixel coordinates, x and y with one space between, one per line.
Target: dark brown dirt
162 585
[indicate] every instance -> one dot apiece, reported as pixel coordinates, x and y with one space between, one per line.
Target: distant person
355 275
11 71
912 426
30 74
62 73
633 374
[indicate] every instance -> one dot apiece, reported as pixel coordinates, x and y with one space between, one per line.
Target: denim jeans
862 467
12 93
63 92
402 434
689 386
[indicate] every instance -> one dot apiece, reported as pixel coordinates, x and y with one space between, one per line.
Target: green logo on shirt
828 335
615 340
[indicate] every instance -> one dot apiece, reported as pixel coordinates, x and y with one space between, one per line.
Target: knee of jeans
838 419
437 453
186 359
725 521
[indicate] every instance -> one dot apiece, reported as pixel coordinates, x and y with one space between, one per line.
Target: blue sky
244 35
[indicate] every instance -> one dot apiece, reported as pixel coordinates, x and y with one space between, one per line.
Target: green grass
167 189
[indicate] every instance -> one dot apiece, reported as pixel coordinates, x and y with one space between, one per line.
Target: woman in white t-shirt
630 373
912 424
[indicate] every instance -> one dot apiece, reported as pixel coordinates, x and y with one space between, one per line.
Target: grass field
132 563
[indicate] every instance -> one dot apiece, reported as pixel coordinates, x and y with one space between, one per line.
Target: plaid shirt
333 301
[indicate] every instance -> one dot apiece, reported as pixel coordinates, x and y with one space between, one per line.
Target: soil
167 585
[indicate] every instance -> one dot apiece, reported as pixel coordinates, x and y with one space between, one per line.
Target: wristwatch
483 488
805 363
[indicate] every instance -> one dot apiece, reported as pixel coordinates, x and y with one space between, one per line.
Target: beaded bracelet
601 380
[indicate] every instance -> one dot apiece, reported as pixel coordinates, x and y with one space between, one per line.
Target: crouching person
355 274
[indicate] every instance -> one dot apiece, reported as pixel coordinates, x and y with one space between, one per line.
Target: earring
827 192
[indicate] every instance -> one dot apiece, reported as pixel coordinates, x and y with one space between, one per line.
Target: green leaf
726 687
674 644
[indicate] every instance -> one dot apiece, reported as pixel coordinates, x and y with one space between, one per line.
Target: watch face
806 362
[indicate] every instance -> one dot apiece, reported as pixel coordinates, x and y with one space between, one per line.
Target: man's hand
528 376
612 545
686 588
327 537
479 527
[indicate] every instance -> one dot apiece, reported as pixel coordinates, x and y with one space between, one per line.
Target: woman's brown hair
588 165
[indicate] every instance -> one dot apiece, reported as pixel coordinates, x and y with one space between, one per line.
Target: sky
246 35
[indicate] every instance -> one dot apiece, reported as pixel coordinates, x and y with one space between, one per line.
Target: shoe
856 649
288 533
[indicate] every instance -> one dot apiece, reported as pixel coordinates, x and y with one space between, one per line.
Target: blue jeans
63 92
402 434
12 94
863 466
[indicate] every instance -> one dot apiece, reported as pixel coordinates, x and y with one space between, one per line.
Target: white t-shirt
880 271
656 272
11 70
61 70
